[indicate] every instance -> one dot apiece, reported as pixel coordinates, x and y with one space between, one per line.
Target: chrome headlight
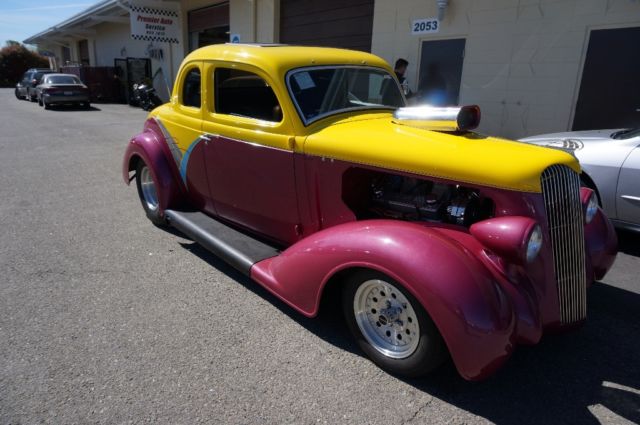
591 209
534 244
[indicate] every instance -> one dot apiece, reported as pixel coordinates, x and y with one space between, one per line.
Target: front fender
470 309
150 147
601 246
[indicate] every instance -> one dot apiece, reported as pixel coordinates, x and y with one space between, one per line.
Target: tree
15 59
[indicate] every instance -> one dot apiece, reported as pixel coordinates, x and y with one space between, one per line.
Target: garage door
333 23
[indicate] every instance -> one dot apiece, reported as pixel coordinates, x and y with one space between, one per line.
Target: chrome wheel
148 189
386 319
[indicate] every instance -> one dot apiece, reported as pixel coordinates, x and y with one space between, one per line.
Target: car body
610 161
59 89
26 87
302 168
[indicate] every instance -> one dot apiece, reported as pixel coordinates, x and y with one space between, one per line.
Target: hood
580 135
466 158
571 141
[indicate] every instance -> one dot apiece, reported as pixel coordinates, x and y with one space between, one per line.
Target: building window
83 52
232 89
209 25
66 55
191 89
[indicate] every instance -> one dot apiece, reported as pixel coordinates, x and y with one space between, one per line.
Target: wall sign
425 26
154 24
235 38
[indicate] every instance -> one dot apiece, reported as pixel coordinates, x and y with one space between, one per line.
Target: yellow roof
278 59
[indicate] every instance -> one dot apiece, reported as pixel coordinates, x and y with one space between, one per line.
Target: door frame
443 37
583 60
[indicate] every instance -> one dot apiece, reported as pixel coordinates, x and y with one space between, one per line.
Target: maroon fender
470 308
151 147
602 245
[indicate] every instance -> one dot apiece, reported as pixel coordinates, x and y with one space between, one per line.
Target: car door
249 156
628 192
24 83
181 125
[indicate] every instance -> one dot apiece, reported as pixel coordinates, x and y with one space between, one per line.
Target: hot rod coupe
302 168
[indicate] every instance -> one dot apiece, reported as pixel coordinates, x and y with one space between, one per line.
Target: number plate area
425 26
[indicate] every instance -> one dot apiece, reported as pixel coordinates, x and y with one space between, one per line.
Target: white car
610 161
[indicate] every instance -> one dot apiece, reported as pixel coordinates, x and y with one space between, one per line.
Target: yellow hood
470 158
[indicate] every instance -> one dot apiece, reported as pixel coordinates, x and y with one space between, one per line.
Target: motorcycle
145 96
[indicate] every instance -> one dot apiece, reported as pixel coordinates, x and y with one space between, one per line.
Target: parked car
610 161
26 87
62 89
302 168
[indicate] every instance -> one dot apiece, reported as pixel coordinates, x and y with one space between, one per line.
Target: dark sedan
62 89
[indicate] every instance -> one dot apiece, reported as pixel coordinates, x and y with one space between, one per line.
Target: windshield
319 92
626 134
62 79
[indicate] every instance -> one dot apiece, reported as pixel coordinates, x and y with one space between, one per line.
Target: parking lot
105 318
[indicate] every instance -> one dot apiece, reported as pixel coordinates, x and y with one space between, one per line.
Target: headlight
592 208
534 244
517 239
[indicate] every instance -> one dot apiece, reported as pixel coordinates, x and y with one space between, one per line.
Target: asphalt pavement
105 318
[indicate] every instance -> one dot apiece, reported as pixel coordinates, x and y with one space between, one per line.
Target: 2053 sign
425 26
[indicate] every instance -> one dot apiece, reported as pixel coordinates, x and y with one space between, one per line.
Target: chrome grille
561 191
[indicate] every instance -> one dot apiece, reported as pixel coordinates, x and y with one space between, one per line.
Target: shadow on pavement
67 108
555 381
629 242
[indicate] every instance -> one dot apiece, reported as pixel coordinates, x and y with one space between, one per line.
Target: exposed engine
409 198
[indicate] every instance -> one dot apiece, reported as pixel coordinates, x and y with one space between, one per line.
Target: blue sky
20 19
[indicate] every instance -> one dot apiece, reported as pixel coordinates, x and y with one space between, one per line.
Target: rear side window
245 94
61 79
191 89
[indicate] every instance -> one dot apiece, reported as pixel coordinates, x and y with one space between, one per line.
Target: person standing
400 70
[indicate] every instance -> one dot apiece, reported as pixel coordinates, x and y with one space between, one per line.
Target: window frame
231 66
306 122
183 80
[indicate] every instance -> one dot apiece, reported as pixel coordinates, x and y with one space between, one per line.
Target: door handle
207 138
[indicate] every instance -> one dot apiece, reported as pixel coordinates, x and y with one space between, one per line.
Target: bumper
60 98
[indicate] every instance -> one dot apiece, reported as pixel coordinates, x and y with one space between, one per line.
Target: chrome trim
561 192
337 111
437 118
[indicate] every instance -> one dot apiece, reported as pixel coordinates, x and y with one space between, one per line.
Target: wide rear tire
391 326
147 191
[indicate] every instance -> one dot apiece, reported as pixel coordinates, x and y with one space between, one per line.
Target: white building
532 65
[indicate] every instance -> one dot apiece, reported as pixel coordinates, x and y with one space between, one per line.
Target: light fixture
442 6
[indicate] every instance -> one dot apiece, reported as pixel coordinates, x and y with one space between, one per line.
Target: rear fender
151 147
472 312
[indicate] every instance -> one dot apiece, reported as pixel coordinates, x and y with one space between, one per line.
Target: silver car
62 89
610 161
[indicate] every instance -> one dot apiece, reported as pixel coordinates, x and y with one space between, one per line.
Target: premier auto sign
154 24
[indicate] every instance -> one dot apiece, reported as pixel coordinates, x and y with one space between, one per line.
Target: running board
234 247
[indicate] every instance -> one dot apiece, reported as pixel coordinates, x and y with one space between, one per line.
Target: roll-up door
332 23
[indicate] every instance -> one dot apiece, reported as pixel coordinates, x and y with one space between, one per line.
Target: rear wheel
391 326
86 105
148 193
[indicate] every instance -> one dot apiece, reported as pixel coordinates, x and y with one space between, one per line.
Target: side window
191 89
245 94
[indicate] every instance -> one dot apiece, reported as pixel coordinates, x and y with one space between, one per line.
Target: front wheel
17 93
391 326
147 191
